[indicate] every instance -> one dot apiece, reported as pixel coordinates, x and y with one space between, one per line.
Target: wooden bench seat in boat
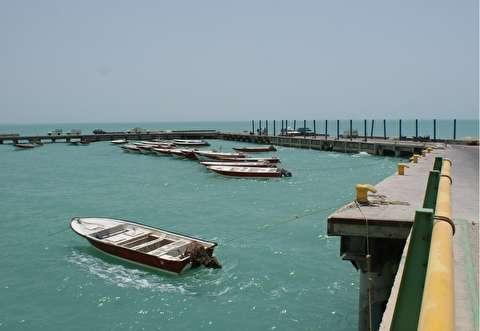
151 243
108 232
174 248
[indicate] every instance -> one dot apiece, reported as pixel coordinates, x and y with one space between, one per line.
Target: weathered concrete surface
465 212
387 220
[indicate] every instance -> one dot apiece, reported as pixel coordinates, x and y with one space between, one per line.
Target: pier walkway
389 220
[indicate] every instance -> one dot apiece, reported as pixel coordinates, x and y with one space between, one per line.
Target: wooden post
326 129
384 129
314 129
294 125
434 129
253 127
351 130
371 129
365 130
260 127
338 129
304 128
455 129
286 127
274 128
266 127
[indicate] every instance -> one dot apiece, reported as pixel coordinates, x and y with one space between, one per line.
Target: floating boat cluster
235 164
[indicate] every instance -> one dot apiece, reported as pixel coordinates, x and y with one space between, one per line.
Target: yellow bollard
401 168
429 149
362 192
414 158
437 311
424 153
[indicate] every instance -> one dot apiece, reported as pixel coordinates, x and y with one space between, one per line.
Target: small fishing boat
248 159
84 142
162 151
74 143
131 148
205 155
186 142
189 153
25 146
119 141
256 149
250 172
239 164
177 152
138 243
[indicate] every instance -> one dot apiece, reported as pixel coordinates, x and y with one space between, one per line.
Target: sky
120 61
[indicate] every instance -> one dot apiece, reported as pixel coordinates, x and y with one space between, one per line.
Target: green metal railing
409 299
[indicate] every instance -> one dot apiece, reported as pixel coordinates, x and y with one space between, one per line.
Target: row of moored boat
234 164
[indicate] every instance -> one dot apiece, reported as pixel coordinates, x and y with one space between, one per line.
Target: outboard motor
285 173
199 255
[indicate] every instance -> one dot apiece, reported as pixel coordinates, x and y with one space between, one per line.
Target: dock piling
434 129
304 128
455 129
371 129
399 129
338 129
274 129
416 129
314 129
253 127
326 129
365 130
385 129
351 129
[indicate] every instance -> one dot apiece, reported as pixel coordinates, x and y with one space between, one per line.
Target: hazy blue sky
90 61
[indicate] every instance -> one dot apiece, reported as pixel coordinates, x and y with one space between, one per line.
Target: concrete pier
181 134
375 146
389 219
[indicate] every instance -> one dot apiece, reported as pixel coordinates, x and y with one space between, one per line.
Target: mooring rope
288 220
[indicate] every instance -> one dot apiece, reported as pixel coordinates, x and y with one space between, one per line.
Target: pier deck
389 226
375 146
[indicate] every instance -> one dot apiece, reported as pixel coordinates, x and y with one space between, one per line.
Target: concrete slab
465 212
392 213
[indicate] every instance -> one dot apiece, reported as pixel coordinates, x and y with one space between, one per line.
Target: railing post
286 127
434 129
455 129
253 127
274 129
371 129
437 165
260 127
338 129
294 125
266 127
385 129
314 129
304 128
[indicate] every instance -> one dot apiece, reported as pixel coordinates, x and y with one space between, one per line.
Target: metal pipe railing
437 312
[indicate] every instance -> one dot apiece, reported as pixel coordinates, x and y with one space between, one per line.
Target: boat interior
165 245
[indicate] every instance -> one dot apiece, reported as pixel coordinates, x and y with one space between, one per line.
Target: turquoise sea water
278 274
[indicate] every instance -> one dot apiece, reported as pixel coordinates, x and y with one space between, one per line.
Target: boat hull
255 149
240 174
170 266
